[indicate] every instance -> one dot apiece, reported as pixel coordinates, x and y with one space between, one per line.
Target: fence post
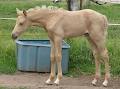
73 5
77 4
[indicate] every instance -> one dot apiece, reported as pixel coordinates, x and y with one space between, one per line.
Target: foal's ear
25 12
19 12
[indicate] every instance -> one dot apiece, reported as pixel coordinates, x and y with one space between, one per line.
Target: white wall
113 1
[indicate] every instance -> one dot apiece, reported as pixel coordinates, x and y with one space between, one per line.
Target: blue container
34 55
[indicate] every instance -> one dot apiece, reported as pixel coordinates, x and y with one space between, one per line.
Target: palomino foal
59 24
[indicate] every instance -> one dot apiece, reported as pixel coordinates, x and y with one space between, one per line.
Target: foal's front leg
58 57
52 56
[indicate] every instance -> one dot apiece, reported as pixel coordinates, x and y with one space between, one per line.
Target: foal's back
76 23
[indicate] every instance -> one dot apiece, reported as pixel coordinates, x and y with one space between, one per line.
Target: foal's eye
20 23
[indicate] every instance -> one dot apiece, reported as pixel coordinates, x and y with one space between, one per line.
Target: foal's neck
41 17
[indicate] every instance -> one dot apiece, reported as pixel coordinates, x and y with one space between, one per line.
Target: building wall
112 1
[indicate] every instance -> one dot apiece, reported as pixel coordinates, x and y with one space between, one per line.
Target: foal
59 24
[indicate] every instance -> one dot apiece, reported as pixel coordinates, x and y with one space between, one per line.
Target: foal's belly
74 26
75 30
73 34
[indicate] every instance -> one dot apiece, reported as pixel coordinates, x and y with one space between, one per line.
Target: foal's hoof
94 82
57 82
105 83
48 82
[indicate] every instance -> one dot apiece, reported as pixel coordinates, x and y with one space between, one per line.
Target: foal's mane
43 7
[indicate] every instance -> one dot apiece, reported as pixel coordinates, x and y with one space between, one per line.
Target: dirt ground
36 81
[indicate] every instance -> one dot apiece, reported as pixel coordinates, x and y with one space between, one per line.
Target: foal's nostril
14 36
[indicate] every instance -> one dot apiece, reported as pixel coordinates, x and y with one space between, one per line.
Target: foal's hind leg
98 38
102 50
104 54
97 60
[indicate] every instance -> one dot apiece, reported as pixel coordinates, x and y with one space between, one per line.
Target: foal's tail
105 22
105 25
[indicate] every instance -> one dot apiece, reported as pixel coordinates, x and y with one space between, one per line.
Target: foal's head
22 23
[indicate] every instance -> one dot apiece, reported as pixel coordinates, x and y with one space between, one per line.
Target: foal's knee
58 58
52 58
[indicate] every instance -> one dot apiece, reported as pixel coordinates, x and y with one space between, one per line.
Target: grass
7 10
110 10
81 59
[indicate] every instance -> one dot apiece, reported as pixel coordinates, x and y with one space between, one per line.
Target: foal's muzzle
14 36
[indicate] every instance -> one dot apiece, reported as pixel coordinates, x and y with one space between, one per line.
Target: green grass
8 8
81 59
110 10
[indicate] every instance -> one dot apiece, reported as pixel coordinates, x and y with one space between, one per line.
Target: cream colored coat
60 24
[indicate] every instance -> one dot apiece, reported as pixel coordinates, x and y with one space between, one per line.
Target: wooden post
81 4
73 5
77 4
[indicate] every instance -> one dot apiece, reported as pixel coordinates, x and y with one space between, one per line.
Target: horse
60 24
